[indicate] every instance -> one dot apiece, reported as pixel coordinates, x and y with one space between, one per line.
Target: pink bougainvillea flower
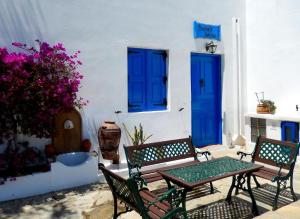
35 85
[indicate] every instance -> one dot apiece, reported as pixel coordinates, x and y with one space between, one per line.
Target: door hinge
165 79
202 83
133 105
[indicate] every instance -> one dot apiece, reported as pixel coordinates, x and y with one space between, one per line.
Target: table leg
254 206
169 184
184 202
228 198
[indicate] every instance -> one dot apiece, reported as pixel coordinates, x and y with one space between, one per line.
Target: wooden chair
137 197
281 157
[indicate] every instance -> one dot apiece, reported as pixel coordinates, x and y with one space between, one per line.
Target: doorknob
202 83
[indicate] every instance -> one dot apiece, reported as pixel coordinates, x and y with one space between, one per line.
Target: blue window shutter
136 80
156 80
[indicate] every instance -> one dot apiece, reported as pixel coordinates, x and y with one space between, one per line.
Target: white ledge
293 117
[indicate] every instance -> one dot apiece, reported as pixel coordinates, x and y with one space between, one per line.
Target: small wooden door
206 99
67 140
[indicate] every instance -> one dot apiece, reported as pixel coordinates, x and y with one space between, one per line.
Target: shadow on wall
21 21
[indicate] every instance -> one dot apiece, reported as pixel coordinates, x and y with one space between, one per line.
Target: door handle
202 83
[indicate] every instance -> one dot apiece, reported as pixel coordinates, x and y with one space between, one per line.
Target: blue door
206 99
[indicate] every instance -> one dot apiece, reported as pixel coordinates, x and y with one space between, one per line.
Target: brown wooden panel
67 140
267 173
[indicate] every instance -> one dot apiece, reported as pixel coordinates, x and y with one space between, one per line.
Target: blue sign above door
207 31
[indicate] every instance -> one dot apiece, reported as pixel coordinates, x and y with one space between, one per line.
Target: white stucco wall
103 30
272 28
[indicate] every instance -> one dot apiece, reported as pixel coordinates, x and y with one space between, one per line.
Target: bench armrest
243 154
165 196
131 167
138 179
203 153
173 196
279 174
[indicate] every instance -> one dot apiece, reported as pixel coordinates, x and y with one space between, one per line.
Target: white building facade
104 30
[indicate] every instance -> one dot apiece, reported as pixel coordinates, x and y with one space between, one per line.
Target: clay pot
109 136
86 145
50 150
263 109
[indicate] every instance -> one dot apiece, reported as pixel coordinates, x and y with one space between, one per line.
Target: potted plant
266 107
138 137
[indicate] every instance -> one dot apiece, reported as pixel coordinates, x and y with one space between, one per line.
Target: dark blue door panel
206 99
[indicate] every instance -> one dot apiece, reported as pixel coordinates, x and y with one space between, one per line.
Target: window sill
148 112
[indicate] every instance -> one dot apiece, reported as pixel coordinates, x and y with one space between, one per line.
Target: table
190 176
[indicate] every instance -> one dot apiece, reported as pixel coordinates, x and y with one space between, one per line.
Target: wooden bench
148 155
280 158
137 197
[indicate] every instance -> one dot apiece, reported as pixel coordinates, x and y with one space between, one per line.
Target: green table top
209 171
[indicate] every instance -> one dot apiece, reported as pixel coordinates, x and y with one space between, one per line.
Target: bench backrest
272 152
126 190
119 187
159 152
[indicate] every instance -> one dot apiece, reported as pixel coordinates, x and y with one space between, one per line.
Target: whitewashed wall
103 30
272 28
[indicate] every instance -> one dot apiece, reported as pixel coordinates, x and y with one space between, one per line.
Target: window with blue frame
147 80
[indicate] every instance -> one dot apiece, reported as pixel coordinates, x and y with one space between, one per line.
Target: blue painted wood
206 99
157 84
136 80
147 87
207 31
290 131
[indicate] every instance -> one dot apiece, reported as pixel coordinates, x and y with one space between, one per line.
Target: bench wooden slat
152 178
170 167
150 197
267 173
153 216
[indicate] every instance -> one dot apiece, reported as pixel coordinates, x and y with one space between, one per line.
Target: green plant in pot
270 104
138 137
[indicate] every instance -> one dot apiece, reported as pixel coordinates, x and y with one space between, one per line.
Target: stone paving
96 201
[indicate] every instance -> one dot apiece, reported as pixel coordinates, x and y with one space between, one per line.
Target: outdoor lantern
211 47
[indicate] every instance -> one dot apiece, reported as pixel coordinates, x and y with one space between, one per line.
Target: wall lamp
211 47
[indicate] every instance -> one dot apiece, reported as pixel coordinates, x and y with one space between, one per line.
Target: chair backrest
272 152
159 152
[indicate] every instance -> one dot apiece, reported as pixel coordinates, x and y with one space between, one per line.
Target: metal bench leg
228 198
256 182
211 188
115 207
295 198
275 203
254 206
185 216
238 184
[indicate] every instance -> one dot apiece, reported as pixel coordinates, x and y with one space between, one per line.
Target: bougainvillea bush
35 85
